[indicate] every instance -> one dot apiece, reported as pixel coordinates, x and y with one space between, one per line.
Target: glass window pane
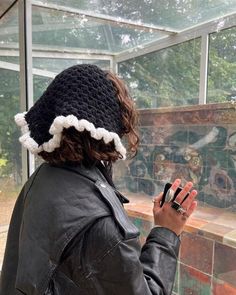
9 29
10 148
57 65
169 77
9 59
176 14
60 30
222 66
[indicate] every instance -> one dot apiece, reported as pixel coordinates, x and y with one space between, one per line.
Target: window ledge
212 223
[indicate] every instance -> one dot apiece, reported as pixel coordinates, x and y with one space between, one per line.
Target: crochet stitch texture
80 96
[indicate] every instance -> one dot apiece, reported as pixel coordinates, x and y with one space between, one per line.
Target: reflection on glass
169 77
56 29
9 29
176 14
222 66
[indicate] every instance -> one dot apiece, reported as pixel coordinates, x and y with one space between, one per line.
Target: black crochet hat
81 97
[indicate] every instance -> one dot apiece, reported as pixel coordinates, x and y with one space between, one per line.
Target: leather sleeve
116 266
159 259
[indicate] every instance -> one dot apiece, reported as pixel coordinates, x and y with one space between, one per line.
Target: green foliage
170 77
167 77
10 155
3 162
222 66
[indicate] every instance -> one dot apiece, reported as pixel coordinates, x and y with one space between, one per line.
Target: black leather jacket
69 235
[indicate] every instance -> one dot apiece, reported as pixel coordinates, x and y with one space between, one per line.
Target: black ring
175 205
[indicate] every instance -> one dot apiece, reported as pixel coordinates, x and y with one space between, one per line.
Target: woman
69 233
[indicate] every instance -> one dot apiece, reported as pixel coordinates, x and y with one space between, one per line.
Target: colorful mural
199 144
189 144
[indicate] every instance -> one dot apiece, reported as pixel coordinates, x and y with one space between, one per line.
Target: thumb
156 200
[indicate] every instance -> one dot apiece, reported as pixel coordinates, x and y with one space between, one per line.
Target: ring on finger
181 210
176 206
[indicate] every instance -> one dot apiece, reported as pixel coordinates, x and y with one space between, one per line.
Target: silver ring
170 195
181 210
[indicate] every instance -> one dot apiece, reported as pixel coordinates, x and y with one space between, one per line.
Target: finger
171 192
176 184
187 203
157 200
184 192
192 208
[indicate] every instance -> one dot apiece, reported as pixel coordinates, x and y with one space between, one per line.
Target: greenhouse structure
178 59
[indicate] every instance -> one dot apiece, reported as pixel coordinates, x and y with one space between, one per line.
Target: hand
168 217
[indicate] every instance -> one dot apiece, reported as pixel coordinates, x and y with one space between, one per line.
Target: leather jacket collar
93 172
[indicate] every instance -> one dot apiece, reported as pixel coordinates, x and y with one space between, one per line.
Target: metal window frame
26 76
202 31
93 53
52 53
15 67
204 69
185 35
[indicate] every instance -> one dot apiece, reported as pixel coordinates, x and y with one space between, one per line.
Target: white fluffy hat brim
59 123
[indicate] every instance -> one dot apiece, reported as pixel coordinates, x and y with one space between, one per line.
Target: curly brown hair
80 147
